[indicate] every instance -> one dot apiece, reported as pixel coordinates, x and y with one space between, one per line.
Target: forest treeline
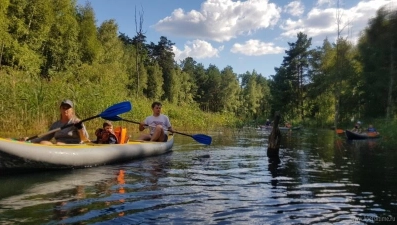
51 50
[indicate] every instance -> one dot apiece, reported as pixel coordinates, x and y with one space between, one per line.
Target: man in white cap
357 128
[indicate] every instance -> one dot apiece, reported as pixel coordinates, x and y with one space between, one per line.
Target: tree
29 26
111 44
321 91
251 94
377 53
189 66
61 48
5 38
155 85
296 63
229 90
337 90
200 78
139 39
211 97
325 90
264 101
90 47
163 55
281 89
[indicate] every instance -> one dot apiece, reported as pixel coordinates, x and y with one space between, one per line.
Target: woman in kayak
71 135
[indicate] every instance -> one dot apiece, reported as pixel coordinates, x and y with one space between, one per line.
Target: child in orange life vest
106 134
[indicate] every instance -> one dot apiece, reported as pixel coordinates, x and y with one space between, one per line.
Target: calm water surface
320 179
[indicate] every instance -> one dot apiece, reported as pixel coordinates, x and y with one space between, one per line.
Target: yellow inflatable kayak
25 155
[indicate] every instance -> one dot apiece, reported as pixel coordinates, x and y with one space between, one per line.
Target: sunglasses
65 107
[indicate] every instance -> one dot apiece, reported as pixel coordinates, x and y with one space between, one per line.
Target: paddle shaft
204 139
183 134
60 128
112 111
131 121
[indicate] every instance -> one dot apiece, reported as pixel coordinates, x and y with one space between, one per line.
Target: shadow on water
318 178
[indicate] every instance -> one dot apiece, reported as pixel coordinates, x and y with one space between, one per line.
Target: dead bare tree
138 42
391 16
338 65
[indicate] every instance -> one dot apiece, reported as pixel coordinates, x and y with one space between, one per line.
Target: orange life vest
121 134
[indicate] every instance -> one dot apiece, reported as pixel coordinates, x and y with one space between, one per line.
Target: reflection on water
319 178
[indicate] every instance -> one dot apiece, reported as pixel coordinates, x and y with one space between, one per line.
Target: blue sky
246 35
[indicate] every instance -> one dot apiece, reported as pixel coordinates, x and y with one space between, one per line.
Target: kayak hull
23 155
360 136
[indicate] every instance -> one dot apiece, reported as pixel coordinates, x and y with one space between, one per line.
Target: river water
320 179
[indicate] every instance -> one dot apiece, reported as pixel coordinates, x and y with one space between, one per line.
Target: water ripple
314 183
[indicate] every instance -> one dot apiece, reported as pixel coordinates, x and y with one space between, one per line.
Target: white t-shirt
153 121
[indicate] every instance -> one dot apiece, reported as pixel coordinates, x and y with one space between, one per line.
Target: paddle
112 111
201 138
372 134
339 131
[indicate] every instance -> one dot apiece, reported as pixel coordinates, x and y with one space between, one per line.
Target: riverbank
188 118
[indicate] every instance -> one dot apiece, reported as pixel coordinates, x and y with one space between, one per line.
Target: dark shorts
165 138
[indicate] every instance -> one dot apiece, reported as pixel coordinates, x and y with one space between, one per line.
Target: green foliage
30 105
51 50
211 97
155 82
188 66
281 92
163 55
90 47
61 48
112 46
229 91
332 83
296 64
200 77
377 48
184 91
5 37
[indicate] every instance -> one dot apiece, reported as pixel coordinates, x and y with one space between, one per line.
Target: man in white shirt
158 124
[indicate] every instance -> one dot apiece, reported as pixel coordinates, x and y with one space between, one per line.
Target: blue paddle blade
116 109
202 138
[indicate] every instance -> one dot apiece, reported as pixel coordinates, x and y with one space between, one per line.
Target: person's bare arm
170 129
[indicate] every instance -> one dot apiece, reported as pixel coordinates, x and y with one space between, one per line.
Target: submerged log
274 138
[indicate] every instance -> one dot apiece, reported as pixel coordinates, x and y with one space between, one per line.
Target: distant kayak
264 127
280 128
359 136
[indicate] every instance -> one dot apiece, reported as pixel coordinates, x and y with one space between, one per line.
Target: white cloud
295 8
221 20
197 49
322 23
256 48
327 3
